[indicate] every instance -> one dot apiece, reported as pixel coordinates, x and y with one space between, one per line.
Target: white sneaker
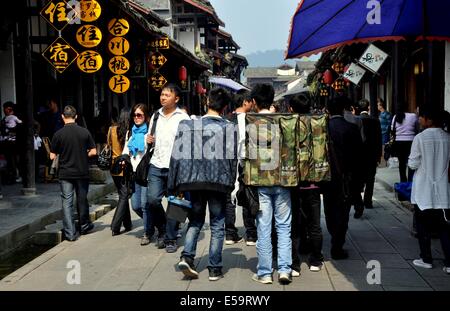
295 273
250 243
420 263
446 270
315 268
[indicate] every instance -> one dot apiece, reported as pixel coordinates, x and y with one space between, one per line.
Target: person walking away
208 177
116 140
306 211
430 158
276 201
372 150
345 153
164 137
74 145
244 105
405 125
135 147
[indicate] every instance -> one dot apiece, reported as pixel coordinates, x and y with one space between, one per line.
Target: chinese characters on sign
89 61
119 84
118 46
162 43
158 81
89 36
118 27
119 65
60 55
58 14
354 73
90 10
373 58
157 60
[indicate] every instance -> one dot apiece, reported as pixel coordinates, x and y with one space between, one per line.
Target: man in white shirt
166 129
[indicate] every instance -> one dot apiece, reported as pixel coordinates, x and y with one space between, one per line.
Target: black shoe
186 265
131 228
339 254
215 274
358 212
114 233
368 205
87 228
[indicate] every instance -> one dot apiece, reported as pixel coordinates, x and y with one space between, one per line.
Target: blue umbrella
320 25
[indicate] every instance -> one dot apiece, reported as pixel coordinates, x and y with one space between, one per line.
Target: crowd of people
201 157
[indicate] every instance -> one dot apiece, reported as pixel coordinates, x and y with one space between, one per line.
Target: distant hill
270 58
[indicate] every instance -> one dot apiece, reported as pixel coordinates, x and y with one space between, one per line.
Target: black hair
241 96
337 105
381 102
123 125
300 104
363 105
69 112
219 98
173 88
439 117
144 109
8 105
263 95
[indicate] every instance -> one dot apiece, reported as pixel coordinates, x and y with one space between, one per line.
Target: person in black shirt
73 145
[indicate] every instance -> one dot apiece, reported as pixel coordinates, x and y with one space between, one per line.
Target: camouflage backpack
271 155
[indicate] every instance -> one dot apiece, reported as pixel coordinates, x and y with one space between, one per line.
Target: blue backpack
403 191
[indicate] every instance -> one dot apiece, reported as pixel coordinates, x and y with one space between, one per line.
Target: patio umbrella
320 25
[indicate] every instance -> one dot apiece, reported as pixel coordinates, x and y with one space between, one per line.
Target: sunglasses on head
138 115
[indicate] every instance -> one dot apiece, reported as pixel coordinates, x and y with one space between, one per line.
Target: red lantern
328 77
182 75
199 88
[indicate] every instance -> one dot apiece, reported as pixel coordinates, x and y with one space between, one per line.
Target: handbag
143 166
105 157
389 148
178 208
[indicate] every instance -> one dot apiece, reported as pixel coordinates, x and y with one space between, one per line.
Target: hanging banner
162 43
89 36
119 65
157 60
119 84
89 61
118 27
119 46
354 73
58 14
373 58
157 81
60 54
90 10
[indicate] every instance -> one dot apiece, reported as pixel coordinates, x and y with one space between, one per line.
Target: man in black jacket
372 150
345 156
204 163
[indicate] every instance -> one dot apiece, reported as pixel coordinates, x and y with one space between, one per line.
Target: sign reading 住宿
89 36
354 73
89 61
60 54
58 14
373 58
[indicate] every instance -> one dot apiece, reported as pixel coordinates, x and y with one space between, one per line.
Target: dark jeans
68 188
368 183
306 218
427 221
216 202
337 211
122 213
403 149
230 219
157 189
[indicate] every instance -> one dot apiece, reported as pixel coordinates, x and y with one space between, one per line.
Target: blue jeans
68 188
216 203
157 189
140 206
274 201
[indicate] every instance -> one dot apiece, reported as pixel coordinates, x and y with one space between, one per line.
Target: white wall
186 39
7 75
447 77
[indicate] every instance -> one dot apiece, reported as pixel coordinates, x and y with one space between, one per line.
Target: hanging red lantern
328 77
199 88
182 75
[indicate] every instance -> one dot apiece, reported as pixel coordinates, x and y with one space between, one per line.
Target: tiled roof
206 6
144 7
261 72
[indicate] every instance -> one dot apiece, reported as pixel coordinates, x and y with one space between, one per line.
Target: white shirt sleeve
415 156
126 150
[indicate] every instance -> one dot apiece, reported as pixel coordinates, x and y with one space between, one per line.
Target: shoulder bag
143 166
105 156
